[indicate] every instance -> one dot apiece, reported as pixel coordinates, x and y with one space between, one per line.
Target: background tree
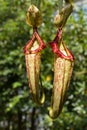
17 110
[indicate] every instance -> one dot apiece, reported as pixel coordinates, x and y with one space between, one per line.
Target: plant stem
36 2
60 5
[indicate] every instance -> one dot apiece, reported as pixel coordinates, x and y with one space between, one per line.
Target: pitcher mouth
55 47
36 36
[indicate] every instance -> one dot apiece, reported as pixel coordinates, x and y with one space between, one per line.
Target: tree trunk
33 127
19 120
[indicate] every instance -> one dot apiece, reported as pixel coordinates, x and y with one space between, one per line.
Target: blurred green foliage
17 110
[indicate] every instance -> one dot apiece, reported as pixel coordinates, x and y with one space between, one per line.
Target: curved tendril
39 99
